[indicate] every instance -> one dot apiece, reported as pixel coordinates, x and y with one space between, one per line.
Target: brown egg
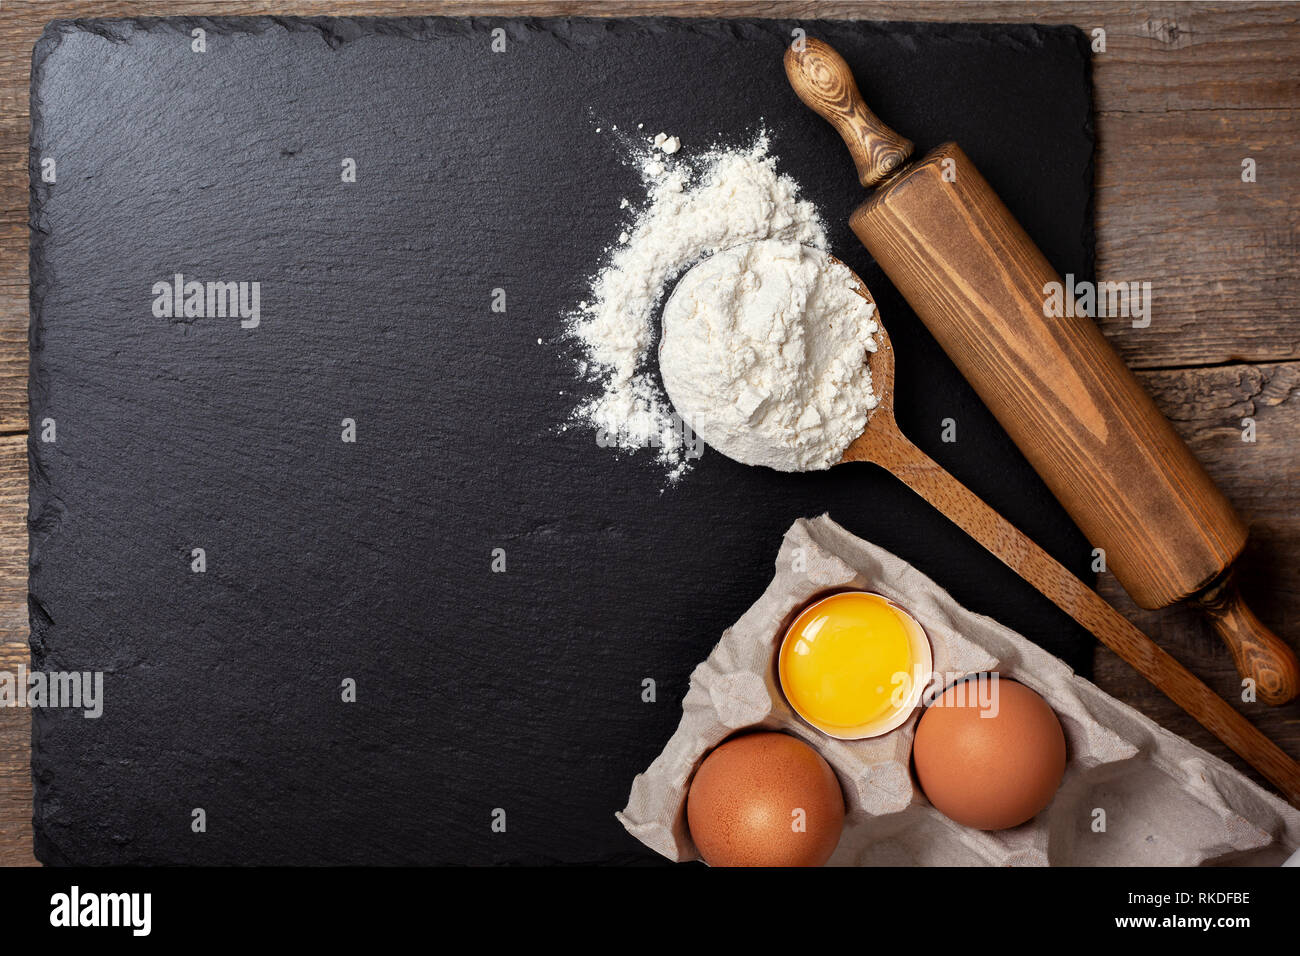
989 772
765 799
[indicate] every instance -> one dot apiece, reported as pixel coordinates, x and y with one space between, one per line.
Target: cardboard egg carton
1163 801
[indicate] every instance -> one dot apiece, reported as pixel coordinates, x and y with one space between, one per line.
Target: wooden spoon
883 443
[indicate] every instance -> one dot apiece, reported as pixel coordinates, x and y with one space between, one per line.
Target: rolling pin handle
825 83
1259 653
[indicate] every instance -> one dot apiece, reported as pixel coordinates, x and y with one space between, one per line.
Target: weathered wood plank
15 774
1222 255
15 724
1260 478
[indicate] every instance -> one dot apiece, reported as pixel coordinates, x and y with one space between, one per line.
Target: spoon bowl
880 363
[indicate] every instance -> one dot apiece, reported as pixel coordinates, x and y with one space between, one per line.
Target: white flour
764 353
669 144
693 209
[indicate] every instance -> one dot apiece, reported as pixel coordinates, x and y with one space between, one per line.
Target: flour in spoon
764 352
692 209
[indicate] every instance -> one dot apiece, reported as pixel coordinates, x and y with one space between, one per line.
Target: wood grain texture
1075 411
884 444
1178 91
15 724
1222 256
1066 398
1207 407
823 81
1259 653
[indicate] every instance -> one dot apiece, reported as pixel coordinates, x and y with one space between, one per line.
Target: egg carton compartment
1133 793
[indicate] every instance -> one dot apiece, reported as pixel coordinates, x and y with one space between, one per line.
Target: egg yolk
845 659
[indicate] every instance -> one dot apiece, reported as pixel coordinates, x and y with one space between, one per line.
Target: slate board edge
44 506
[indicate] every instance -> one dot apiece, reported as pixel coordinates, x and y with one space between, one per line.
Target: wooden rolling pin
1055 384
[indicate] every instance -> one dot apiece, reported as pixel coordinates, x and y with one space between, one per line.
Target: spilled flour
693 209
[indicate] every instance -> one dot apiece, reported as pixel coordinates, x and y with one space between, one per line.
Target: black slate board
325 560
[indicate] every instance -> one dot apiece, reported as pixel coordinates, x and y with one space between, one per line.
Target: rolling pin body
1062 393
1066 398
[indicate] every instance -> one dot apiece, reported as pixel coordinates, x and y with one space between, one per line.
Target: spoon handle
825 83
892 451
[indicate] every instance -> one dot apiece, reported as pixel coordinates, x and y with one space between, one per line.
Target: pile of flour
764 353
693 208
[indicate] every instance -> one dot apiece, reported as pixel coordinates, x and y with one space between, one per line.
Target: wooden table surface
1184 92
